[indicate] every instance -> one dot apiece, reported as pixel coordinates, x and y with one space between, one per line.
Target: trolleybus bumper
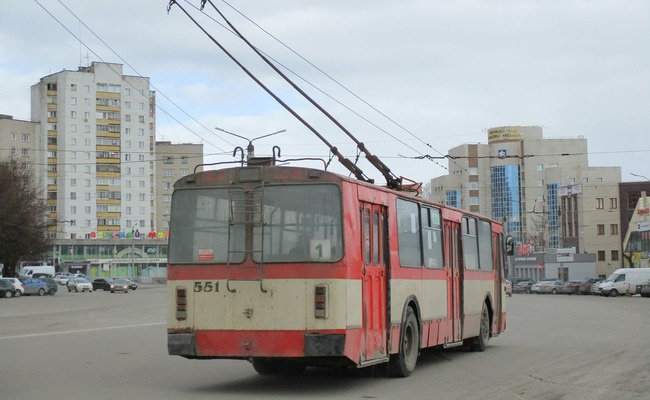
181 344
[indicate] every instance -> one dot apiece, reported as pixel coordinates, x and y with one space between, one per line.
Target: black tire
52 292
126 291
112 291
553 291
403 363
41 292
480 342
8 294
18 293
266 367
613 293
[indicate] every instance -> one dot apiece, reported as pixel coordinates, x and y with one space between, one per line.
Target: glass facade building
453 198
506 199
553 216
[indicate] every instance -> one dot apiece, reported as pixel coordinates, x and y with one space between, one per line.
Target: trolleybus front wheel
480 342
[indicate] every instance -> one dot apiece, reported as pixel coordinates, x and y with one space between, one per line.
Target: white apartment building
173 161
99 126
526 181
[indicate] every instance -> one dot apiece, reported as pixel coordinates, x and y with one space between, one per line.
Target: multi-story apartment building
100 130
521 178
21 141
173 161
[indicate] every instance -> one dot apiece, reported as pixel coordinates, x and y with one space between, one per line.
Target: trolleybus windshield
290 223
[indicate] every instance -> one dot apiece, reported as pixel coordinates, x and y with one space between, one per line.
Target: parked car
586 284
18 285
551 287
523 287
62 278
571 287
35 286
535 288
645 289
595 288
120 285
7 289
79 285
102 284
508 287
52 286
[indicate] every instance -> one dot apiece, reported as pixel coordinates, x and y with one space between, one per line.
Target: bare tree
23 219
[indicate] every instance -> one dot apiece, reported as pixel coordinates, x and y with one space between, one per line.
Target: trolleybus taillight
321 294
181 303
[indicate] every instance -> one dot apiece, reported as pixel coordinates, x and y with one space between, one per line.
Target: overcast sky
425 76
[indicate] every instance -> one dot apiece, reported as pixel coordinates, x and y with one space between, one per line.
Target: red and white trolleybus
290 267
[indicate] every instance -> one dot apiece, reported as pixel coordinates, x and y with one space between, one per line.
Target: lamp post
133 250
639 176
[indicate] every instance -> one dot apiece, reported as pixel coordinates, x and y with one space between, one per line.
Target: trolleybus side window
485 246
408 234
470 243
432 237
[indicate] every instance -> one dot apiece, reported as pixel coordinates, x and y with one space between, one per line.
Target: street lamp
639 176
133 249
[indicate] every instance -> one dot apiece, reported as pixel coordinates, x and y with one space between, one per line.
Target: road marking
82 330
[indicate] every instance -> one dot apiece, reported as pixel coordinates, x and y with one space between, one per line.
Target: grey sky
444 70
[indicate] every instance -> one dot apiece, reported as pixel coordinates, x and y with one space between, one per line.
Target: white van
28 271
624 281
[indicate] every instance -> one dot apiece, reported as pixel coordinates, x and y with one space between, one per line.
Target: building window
613 229
540 182
168 160
25 137
73 101
183 159
73 195
600 203
600 229
540 167
601 255
613 203
168 172
127 118
614 255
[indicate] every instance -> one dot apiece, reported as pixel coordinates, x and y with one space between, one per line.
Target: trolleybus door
454 298
373 235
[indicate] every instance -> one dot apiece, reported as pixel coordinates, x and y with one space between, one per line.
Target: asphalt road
106 346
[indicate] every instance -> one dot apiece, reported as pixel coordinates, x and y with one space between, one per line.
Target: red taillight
181 303
320 301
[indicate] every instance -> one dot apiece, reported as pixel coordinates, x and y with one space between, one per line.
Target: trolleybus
290 267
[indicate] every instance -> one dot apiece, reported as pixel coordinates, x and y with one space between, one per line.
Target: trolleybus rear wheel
403 363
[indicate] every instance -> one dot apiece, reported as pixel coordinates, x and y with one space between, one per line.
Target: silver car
79 285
